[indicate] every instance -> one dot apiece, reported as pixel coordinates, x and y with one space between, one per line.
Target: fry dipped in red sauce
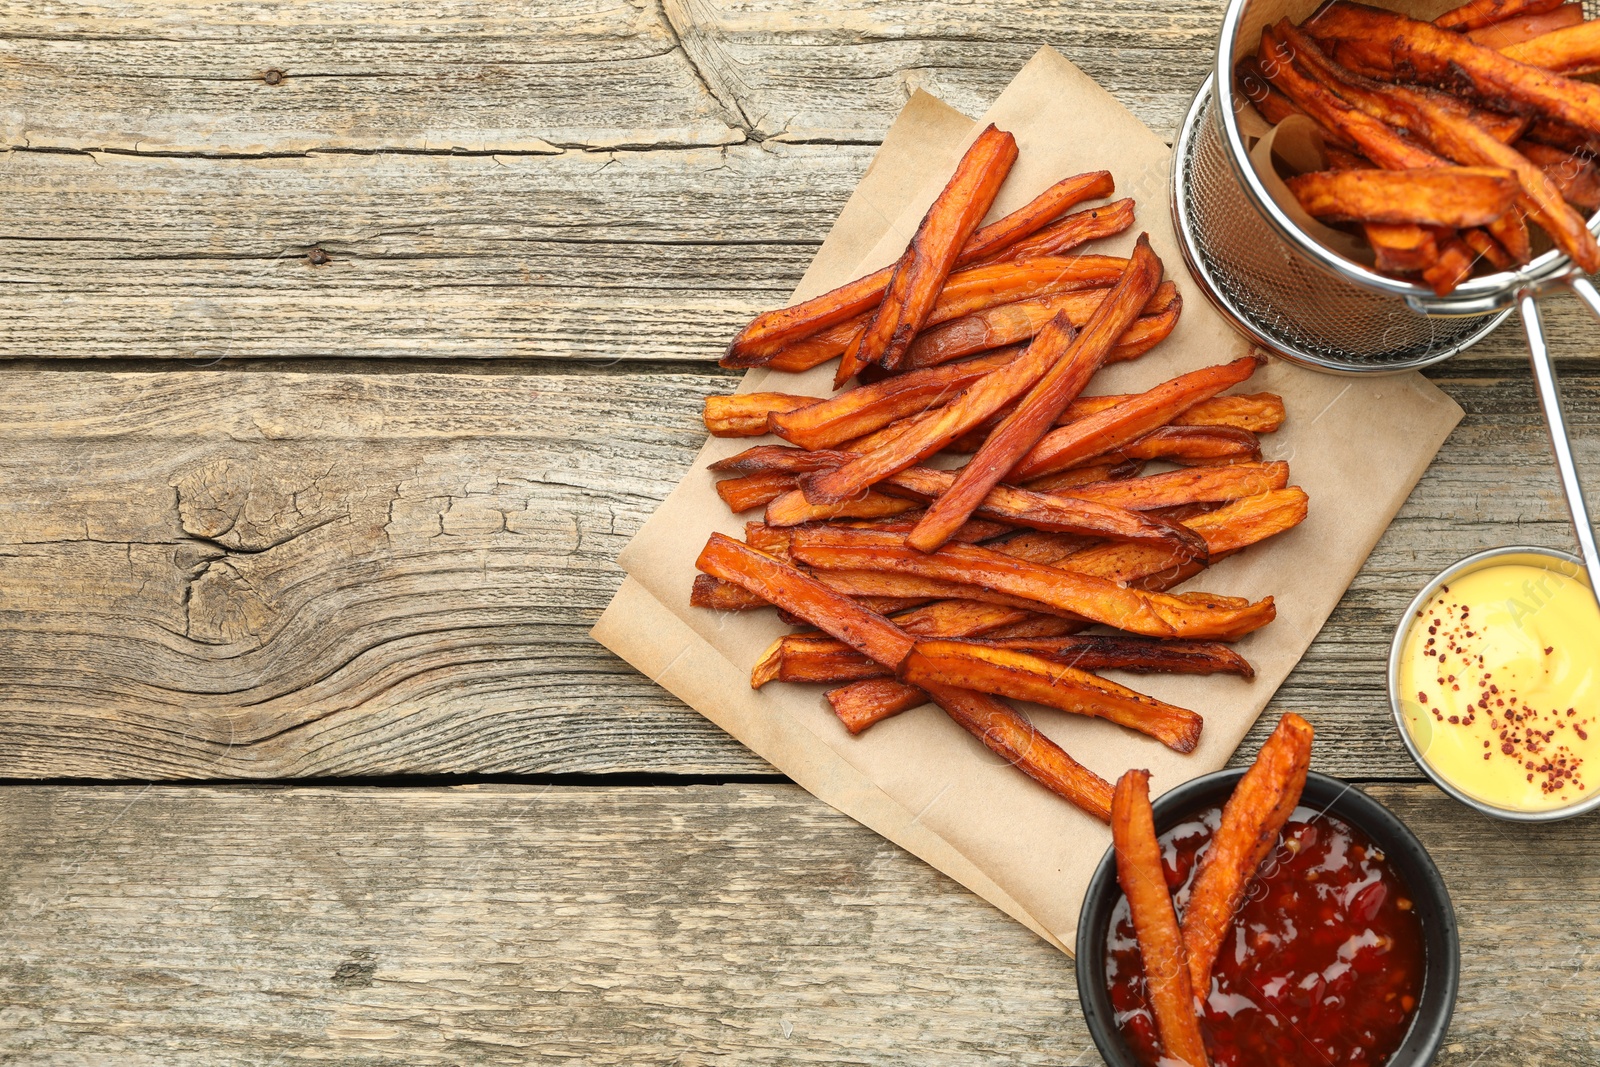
1324 963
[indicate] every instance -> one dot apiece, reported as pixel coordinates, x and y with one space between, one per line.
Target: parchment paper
1356 446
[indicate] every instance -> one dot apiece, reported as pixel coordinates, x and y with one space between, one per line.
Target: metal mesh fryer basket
1274 293
1312 306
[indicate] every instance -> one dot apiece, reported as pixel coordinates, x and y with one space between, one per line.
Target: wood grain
472 75
502 925
260 574
589 181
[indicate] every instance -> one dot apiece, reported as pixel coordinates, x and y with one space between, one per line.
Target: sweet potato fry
1486 247
1272 104
718 595
1398 249
1251 821
1020 507
972 533
867 408
863 703
818 658
1575 175
1453 266
968 292
1571 50
782 459
792 508
1025 676
1257 412
921 272
1378 141
800 594
1511 31
1403 248
745 414
931 432
1010 735
989 575
876 582
1227 529
754 490
1020 320
1452 197
1190 445
1445 125
1191 486
1371 40
1479 13
996 723
1155 924
769 332
1142 655
1044 403
1091 224
1123 424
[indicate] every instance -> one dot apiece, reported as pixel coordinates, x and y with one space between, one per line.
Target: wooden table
348 343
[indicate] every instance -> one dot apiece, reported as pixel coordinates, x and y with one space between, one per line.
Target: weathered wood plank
632 255
485 77
637 255
747 925
230 573
592 222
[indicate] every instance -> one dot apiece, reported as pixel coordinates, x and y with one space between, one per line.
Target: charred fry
1025 676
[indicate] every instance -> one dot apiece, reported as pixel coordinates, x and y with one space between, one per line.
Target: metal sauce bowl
1563 563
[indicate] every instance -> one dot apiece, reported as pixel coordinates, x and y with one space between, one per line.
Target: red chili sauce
1325 962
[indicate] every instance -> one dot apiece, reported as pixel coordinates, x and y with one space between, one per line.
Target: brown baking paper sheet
1356 446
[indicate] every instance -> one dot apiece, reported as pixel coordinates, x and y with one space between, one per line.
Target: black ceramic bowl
1410 861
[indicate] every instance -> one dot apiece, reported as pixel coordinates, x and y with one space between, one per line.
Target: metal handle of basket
1544 374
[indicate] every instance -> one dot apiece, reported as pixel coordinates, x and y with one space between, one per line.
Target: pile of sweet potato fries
1444 139
1178 957
969 584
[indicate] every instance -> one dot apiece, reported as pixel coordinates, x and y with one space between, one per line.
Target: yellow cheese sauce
1500 686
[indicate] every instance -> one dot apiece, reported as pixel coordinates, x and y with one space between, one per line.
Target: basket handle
1544 376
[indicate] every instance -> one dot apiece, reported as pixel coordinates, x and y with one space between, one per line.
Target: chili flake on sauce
1500 680
1324 965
